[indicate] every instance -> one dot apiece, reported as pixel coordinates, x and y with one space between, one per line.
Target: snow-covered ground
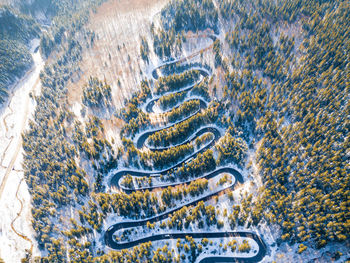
288 254
215 247
14 120
218 248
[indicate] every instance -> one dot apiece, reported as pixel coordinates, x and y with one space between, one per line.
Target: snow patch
14 119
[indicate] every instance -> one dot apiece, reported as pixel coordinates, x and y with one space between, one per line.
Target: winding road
141 142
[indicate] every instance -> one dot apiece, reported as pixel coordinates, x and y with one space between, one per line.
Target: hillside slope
16 30
191 131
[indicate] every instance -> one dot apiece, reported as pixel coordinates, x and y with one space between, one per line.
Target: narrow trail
19 142
4 153
11 167
141 142
18 145
7 128
19 111
18 215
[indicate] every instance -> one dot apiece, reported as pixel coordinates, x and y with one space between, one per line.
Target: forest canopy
283 71
16 30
